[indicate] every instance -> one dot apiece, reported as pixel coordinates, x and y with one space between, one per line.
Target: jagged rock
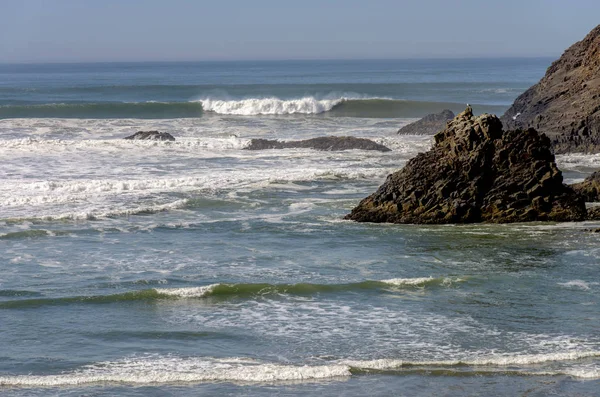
565 104
476 172
329 143
428 125
151 136
593 214
589 188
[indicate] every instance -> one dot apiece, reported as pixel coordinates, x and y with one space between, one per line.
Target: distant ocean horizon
195 266
359 88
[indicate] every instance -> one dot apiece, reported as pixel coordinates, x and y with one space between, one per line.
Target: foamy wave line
228 291
580 284
422 281
99 214
270 106
177 370
182 143
221 289
22 193
169 370
488 361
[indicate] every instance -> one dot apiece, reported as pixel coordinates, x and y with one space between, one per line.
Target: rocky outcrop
329 143
151 136
565 104
476 172
594 214
589 189
428 125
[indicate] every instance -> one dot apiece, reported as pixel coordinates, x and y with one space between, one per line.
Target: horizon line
277 60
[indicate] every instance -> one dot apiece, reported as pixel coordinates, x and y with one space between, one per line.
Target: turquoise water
196 267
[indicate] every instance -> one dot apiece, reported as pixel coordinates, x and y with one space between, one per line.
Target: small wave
242 290
488 361
170 370
11 293
91 215
26 234
422 281
579 284
167 370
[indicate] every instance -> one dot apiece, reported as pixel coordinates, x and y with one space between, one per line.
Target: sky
196 30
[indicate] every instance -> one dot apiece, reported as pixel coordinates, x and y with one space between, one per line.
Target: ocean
195 267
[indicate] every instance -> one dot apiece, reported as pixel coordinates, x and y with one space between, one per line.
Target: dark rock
593 214
589 188
565 104
428 125
329 143
151 136
476 172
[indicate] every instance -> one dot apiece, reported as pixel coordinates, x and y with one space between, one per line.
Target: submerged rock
151 136
428 125
565 104
476 172
329 143
589 188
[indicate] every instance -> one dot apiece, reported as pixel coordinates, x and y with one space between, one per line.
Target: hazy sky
141 30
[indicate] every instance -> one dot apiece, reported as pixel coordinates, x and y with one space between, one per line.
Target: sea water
197 267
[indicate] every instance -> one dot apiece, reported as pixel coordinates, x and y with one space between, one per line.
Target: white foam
500 360
104 212
584 285
578 160
407 281
165 370
189 292
270 106
418 281
28 144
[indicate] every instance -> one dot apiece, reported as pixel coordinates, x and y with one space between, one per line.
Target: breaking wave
169 370
355 105
242 290
270 106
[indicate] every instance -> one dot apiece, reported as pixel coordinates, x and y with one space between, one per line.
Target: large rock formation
329 143
428 125
565 104
589 189
476 172
151 136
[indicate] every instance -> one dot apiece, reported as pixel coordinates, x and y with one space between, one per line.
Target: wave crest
270 106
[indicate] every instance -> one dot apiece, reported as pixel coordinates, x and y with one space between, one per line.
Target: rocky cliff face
589 189
476 172
428 125
565 104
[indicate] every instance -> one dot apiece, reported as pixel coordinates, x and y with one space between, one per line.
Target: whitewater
199 267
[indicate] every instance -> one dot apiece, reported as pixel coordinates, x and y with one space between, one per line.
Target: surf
222 291
354 105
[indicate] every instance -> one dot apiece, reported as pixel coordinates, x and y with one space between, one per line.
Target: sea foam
169 369
270 106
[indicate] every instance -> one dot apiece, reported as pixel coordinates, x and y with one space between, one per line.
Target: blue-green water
196 267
